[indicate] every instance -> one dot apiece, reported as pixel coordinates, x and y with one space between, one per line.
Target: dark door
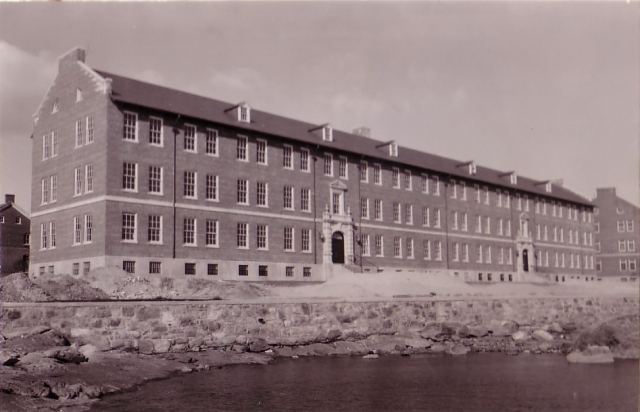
337 248
525 260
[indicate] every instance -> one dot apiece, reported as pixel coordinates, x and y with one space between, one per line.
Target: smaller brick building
616 236
14 237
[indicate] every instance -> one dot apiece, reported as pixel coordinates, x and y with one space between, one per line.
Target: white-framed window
154 231
304 160
379 245
46 147
393 149
426 249
242 236
465 222
396 212
305 240
437 222
77 230
500 227
44 192
509 256
623 265
629 225
305 200
190 184
243 192
377 174
498 198
156 185
43 236
454 189
364 208
262 194
409 248
438 247
130 126
395 178
508 228
54 143
288 239
212 188
78 95
463 191
632 265
343 170
465 252
261 152
408 214
366 246
487 225
327 133
129 227
88 228
454 220
455 252
52 234
478 193
130 176
328 164
54 187
488 255
79 133
501 256
89 130
377 209
241 148
478 224
631 245
407 180
211 237
88 178
424 182
596 227
189 231
364 171
211 143
436 185
244 113
486 195
336 203
190 136
622 246
262 237
155 131
77 187
479 255
621 225
54 107
526 203
288 197
426 216
397 247
287 157
538 232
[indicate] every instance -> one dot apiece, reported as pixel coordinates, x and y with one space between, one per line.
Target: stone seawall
159 327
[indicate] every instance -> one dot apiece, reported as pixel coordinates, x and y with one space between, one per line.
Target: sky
548 89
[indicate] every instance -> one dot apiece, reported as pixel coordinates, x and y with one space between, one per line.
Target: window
242 235
366 247
596 227
364 208
190 138
78 95
425 183
478 224
130 130
629 225
631 245
189 231
501 256
54 143
305 196
211 142
212 269
155 268
79 133
327 133
44 194
287 157
500 227
408 214
336 203
241 148
76 269
479 253
364 171
508 228
407 180
155 131
454 189
263 270
487 226
526 204
454 220
43 236
632 265
243 187
88 228
86 267
155 229
243 270
395 178
89 136
409 248
155 180
244 113
498 198
77 230
465 253
342 168
211 237
436 218
438 246
189 268
88 178
465 222
486 195
129 227
622 246
26 239
262 236
426 249
426 219
379 246
396 212
328 164
190 184
306 272
46 147
304 160
436 185
619 211
54 187
262 194
288 239
377 209
288 271
623 265
478 195
212 187
261 151
597 247
77 191
397 247
455 252
488 255
52 234
288 198
463 191
305 240
129 176
393 149
621 225
377 174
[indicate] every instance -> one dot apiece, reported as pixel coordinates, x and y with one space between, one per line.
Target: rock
9 359
542 335
145 346
458 350
333 335
437 348
371 356
66 354
555 327
507 328
33 343
418 343
478 331
239 348
569 327
89 351
283 352
258 345
592 354
455 329
25 332
433 331
519 336
161 345
604 335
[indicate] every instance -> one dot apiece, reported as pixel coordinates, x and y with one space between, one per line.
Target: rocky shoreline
42 369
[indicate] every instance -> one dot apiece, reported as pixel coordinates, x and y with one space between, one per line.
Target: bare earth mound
18 287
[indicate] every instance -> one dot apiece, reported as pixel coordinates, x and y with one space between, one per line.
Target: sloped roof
135 92
8 205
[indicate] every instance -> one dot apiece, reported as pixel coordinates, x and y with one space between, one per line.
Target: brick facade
14 238
124 152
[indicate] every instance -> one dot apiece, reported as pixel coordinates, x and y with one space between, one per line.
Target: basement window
263 270
289 271
243 270
155 267
306 272
212 269
129 266
189 268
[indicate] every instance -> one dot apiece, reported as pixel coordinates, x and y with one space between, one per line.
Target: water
476 382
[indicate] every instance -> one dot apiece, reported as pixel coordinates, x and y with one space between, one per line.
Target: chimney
71 57
9 198
605 191
362 131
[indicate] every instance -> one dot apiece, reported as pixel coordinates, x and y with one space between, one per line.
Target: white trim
632 254
401 229
240 212
563 246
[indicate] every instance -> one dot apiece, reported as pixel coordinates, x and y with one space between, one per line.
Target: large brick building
14 237
156 180
616 236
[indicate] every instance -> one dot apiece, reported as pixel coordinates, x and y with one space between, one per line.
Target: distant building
616 236
162 182
14 237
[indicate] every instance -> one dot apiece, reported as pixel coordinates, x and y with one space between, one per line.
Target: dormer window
393 149
547 187
472 168
54 109
327 133
78 95
244 113
513 178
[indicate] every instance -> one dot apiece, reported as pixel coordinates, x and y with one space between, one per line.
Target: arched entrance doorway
337 248
525 260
